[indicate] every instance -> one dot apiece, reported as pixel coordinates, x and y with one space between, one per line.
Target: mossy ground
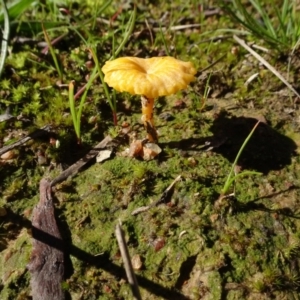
194 246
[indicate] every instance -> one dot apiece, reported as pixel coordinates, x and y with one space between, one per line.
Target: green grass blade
83 97
164 40
72 109
99 11
128 32
16 8
234 178
54 57
230 176
35 27
4 43
111 100
264 29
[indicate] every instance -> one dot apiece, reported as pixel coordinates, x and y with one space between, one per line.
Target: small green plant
127 32
76 113
54 57
277 26
111 98
231 177
15 8
164 40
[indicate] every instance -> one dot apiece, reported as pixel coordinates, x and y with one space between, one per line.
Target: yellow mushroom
150 78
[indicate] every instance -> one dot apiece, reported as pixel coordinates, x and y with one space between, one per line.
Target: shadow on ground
266 150
102 262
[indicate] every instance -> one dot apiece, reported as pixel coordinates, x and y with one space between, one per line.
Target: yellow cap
152 77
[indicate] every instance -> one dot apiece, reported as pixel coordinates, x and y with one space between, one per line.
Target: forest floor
197 242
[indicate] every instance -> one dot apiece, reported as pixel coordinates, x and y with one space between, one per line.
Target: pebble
136 262
8 155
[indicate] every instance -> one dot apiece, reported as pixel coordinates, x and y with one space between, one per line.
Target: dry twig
266 64
74 169
166 195
36 134
127 263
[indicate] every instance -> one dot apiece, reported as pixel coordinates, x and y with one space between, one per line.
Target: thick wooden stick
47 258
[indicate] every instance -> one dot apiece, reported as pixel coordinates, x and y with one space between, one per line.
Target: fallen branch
36 134
74 169
47 257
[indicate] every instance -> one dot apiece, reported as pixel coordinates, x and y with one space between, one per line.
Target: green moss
18 60
240 247
13 267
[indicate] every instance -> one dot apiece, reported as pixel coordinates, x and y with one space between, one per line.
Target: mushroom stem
147 118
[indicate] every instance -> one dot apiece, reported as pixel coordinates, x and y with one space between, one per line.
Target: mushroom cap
151 77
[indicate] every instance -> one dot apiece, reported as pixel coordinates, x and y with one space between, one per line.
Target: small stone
103 155
167 116
150 151
136 262
159 243
136 148
149 154
8 155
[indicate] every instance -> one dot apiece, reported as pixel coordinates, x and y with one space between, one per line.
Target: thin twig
127 263
212 64
150 32
75 168
212 40
165 195
53 42
36 134
260 48
251 78
177 27
52 52
266 64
